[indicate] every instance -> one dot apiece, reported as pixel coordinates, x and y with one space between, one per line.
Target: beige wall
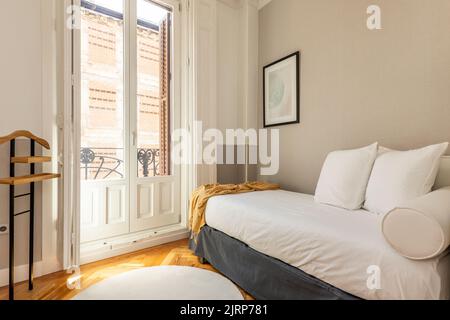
21 108
359 86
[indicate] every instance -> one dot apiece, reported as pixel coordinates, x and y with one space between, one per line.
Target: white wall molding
263 3
249 71
53 265
69 199
116 250
249 65
238 4
205 80
235 4
21 272
51 132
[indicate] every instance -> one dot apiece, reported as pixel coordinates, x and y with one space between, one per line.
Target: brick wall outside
102 87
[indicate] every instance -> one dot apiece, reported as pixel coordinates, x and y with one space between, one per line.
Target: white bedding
334 245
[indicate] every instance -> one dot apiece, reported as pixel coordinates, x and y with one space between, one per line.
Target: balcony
106 164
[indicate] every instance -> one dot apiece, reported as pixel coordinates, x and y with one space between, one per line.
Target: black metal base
12 215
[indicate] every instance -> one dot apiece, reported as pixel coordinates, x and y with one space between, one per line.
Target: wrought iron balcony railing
105 163
149 160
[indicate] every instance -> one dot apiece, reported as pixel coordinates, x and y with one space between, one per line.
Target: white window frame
128 243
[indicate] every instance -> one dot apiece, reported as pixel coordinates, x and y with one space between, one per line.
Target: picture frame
281 90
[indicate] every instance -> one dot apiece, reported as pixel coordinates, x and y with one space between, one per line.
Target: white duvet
334 245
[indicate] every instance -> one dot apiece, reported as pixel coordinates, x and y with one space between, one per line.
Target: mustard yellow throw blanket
200 198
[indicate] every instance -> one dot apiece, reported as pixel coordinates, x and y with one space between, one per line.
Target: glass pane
153 103
102 90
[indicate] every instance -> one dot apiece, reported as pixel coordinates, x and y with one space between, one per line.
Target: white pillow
399 176
344 177
420 229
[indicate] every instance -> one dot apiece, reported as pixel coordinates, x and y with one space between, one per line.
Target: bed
283 245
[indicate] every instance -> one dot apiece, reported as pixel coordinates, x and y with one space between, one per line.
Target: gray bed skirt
263 277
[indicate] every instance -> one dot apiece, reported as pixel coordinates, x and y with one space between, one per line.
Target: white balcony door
129 87
155 186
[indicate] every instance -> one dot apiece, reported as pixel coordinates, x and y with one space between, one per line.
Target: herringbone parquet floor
54 286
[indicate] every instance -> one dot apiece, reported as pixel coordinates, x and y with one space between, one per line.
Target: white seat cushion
399 176
344 177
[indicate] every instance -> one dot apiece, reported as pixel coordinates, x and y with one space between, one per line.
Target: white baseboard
107 253
21 272
50 266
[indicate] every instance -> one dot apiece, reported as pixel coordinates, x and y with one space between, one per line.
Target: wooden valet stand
30 179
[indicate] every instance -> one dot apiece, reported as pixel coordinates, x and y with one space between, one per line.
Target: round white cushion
420 229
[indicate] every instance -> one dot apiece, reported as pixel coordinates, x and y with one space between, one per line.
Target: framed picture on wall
282 91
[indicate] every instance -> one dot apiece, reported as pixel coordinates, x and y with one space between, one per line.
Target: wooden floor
54 286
